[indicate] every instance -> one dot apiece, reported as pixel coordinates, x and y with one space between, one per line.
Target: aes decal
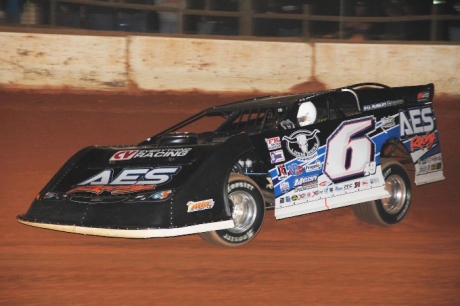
416 121
137 176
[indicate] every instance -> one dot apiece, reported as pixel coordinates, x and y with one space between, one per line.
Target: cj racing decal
155 153
302 144
123 155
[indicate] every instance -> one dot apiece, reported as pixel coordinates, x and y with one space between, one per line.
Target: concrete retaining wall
57 61
216 65
392 64
119 63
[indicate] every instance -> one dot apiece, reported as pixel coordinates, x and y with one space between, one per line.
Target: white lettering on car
138 176
416 121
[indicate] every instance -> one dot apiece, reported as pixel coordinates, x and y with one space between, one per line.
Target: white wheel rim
244 211
398 194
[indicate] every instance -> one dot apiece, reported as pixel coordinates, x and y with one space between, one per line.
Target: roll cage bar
256 106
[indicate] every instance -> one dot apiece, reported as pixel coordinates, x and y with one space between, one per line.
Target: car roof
263 102
287 100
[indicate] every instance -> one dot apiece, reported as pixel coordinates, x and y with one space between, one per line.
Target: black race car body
182 180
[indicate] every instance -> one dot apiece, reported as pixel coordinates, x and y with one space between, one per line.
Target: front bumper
121 219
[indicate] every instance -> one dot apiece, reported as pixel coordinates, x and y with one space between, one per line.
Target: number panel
349 151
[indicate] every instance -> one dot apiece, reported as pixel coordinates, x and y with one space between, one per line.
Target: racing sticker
388 122
277 156
302 144
306 182
273 143
200 205
295 169
422 142
282 172
429 164
154 153
123 155
423 96
316 165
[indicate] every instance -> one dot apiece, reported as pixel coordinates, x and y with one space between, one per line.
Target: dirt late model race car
296 154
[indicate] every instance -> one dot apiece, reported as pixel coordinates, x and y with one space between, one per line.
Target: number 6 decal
350 153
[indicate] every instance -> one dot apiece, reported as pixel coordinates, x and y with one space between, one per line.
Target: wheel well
394 149
251 165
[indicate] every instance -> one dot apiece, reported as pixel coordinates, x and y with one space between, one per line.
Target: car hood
111 173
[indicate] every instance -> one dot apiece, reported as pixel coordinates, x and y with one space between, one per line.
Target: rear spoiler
415 94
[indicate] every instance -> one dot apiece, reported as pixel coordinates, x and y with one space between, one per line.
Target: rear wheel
390 210
248 211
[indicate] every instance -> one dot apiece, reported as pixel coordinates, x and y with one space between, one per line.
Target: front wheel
390 210
248 211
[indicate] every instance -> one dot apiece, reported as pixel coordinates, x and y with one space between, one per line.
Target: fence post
245 19
434 22
306 22
53 12
180 27
341 23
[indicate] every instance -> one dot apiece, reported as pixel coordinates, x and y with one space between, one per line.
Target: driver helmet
306 114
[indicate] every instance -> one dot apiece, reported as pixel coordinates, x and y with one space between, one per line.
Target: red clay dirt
327 258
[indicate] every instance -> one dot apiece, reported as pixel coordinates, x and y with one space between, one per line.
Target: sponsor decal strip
114 190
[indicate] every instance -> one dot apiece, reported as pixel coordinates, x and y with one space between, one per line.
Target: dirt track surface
327 258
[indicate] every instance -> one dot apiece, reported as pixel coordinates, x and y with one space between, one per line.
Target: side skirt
332 202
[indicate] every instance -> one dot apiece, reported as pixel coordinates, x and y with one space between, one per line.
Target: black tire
248 211
392 210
